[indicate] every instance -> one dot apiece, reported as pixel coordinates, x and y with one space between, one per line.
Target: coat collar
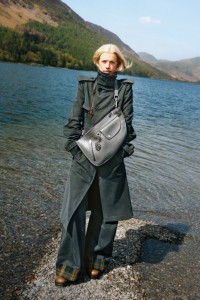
107 80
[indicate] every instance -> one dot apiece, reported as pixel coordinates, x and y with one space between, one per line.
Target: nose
107 65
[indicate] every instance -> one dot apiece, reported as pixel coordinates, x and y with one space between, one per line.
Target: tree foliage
39 43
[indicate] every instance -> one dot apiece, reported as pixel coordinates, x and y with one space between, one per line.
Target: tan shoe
61 281
95 274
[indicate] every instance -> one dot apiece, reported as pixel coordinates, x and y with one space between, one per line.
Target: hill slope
186 69
48 32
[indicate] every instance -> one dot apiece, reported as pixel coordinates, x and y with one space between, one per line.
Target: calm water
163 174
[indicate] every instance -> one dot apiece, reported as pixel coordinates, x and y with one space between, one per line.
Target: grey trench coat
113 185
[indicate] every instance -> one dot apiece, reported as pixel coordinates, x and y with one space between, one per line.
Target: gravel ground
120 281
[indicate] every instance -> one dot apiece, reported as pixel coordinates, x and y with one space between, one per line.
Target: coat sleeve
73 128
127 108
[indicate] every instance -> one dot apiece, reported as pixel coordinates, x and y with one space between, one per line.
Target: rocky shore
120 281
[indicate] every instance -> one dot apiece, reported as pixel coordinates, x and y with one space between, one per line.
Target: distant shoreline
86 70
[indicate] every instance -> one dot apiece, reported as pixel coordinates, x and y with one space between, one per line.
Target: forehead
108 56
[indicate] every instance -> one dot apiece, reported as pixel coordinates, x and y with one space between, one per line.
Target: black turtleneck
106 80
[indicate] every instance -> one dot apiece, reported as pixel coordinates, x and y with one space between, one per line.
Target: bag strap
91 110
116 95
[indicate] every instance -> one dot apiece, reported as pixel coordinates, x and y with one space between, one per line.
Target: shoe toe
95 274
61 281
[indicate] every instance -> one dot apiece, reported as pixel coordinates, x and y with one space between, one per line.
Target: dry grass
18 15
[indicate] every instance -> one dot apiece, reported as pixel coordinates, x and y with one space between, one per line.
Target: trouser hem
99 263
67 272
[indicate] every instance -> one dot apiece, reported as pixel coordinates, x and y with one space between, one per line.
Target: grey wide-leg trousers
79 250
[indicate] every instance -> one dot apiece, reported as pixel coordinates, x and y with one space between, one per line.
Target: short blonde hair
111 48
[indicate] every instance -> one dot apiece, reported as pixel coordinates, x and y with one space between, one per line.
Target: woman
103 190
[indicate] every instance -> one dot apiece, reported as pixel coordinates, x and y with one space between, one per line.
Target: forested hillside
41 43
48 32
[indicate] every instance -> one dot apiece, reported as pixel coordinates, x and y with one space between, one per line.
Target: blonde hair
111 48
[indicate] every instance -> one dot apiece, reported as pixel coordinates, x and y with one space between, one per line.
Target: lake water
163 174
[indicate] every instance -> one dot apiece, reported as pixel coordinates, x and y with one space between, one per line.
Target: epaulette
126 81
85 78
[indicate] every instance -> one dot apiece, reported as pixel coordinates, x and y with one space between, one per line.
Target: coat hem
118 218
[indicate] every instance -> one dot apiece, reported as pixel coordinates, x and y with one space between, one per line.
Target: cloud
149 20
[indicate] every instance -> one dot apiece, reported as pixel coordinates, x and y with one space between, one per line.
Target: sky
166 29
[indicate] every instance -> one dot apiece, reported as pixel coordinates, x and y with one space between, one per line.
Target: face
108 63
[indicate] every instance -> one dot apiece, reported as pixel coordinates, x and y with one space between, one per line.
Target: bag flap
111 129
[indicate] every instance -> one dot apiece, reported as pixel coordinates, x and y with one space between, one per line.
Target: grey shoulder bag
103 140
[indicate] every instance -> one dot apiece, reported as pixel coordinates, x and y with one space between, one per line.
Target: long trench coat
113 185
